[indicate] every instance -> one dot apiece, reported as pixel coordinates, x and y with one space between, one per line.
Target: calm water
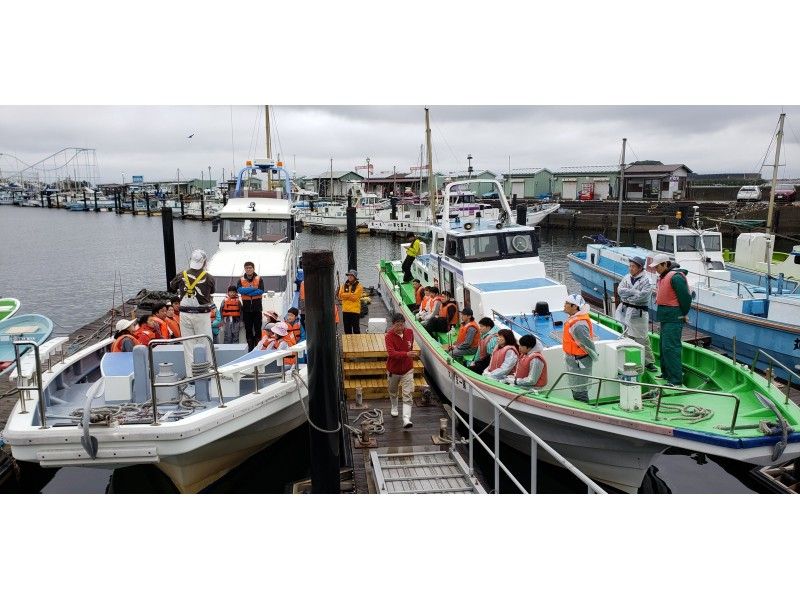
62 264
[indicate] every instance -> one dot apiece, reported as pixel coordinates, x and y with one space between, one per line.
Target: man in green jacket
673 300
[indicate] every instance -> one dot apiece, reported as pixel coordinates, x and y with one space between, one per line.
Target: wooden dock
364 366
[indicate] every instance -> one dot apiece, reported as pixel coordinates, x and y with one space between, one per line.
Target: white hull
334 223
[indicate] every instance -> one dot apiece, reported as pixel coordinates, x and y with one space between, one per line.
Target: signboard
587 192
137 179
367 167
414 168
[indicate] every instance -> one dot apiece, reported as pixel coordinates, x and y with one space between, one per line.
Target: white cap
198 259
124 325
575 299
660 258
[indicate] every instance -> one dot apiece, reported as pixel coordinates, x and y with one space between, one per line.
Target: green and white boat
8 307
725 409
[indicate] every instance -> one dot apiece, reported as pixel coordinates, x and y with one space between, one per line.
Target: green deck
704 370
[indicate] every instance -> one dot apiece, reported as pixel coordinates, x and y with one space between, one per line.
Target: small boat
29 327
8 307
755 259
332 216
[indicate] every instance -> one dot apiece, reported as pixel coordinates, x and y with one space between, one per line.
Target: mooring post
180 199
393 204
133 204
147 203
352 257
169 244
522 214
85 207
96 209
203 207
322 371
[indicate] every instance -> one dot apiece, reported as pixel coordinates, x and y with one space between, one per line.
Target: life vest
568 342
483 345
462 333
449 311
174 326
145 334
665 294
499 356
524 367
190 285
294 330
425 304
231 308
162 327
243 282
275 343
116 346
419 294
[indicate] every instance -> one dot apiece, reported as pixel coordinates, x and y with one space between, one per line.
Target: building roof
573 170
338 174
640 169
526 172
476 174
726 175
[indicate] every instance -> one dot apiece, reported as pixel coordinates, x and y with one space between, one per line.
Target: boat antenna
620 192
431 180
775 173
269 147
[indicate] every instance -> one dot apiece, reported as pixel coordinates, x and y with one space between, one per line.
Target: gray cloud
152 140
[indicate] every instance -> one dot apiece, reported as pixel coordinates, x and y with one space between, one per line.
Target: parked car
785 192
749 193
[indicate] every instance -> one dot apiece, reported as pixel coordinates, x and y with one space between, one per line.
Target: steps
365 366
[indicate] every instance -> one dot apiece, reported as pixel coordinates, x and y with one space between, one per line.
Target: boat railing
709 278
659 388
38 386
535 441
774 361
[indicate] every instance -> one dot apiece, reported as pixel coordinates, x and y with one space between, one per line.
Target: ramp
421 470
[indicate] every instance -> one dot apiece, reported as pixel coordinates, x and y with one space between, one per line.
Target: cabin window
712 242
254 230
692 243
665 243
797 259
440 245
452 248
484 247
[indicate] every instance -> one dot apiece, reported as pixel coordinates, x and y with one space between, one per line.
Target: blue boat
763 319
30 327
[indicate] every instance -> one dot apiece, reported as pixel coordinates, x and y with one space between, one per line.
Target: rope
298 380
374 420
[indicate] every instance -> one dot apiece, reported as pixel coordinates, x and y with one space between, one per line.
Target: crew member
400 366
412 251
231 316
531 369
195 287
486 345
469 335
579 349
125 337
635 290
673 301
350 295
251 288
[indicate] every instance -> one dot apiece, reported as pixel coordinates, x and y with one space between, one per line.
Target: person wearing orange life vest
505 356
231 316
425 305
173 321
277 338
531 371
486 345
579 350
125 337
292 320
673 301
159 319
469 335
146 331
419 294
447 315
251 288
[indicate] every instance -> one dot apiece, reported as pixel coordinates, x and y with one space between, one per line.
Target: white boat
415 215
494 268
333 216
101 409
755 256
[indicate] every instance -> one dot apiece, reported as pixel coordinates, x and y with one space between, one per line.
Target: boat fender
88 441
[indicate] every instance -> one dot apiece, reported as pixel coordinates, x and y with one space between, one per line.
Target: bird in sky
190 136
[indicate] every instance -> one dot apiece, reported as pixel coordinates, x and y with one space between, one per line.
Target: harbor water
64 265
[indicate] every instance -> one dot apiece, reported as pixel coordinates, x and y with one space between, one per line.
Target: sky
154 142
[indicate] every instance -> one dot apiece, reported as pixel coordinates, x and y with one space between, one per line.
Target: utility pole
775 174
431 181
269 147
330 191
621 191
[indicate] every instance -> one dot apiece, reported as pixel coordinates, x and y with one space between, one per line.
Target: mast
431 181
269 146
331 189
775 173
621 188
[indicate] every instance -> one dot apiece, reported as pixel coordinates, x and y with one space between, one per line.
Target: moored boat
8 307
33 329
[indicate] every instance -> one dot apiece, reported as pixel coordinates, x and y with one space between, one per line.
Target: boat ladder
420 470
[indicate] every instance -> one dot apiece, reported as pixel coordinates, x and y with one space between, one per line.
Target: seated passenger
469 335
147 329
486 345
419 293
293 323
279 339
125 337
447 316
531 371
504 358
434 305
426 304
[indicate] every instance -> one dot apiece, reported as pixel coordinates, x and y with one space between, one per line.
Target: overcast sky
153 141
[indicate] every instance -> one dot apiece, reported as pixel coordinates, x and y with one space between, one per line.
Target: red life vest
425 304
116 346
231 307
462 333
294 330
243 282
449 311
161 327
483 344
568 342
524 367
419 294
145 334
174 326
665 294
499 356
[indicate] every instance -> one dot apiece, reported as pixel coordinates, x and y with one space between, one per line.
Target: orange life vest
524 368
568 342
665 294
116 346
243 282
462 333
231 307
162 327
294 330
425 304
174 326
452 308
145 334
499 356
275 343
419 294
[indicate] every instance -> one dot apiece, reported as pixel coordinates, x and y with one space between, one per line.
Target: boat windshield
711 242
254 230
480 248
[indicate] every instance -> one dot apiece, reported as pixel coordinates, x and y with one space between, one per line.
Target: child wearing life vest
531 370
231 316
293 323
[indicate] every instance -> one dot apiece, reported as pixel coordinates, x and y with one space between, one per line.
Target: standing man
673 300
579 351
400 365
195 287
635 290
251 288
350 295
412 252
